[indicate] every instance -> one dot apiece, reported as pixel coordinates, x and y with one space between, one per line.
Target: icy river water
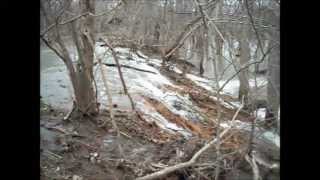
56 88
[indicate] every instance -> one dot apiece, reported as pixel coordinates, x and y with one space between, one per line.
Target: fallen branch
264 162
105 83
244 67
189 163
53 154
193 160
254 166
189 29
126 135
114 54
68 115
129 67
114 124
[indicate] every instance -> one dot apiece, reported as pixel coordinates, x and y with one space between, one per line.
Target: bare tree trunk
205 46
218 42
220 64
84 38
81 76
273 88
200 53
243 58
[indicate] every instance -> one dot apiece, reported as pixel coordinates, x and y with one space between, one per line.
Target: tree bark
83 34
218 42
243 58
273 87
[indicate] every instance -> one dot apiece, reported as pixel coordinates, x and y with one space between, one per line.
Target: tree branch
120 72
244 67
254 27
77 17
195 24
129 67
193 160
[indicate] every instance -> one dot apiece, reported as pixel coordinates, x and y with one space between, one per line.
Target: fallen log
130 67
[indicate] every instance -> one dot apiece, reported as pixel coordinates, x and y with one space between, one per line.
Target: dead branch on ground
193 160
129 67
254 166
120 72
114 124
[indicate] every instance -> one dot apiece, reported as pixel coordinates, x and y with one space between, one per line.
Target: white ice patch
232 87
225 104
261 81
202 82
153 116
237 104
196 78
237 124
274 138
122 50
142 55
159 79
151 85
224 125
177 70
181 105
242 125
155 62
261 113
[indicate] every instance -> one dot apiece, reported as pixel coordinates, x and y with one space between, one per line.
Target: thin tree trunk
200 52
273 87
243 58
218 42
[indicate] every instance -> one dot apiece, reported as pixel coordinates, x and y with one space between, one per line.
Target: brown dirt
142 145
195 128
201 98
65 154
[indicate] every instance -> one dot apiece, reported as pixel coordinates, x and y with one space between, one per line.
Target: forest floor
172 121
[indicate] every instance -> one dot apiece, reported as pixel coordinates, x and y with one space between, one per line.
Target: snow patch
196 78
151 115
261 113
202 82
273 137
142 55
177 70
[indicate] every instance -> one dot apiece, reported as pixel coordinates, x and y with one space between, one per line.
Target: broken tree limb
189 163
193 160
119 70
114 124
129 67
244 67
106 86
254 166
189 29
68 115
264 162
